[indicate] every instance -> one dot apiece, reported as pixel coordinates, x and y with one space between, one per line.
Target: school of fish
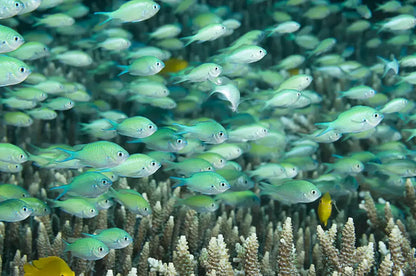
230 110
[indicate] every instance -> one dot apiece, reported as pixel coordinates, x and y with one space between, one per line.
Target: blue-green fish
13 210
292 191
132 11
137 166
10 39
164 139
114 238
240 198
209 131
12 154
101 154
200 203
39 208
132 200
143 66
136 127
189 166
88 184
12 71
357 119
78 207
8 191
87 248
209 183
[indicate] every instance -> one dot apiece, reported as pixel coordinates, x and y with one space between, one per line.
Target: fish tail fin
187 39
69 152
182 128
135 141
125 69
182 181
113 125
88 235
330 167
328 128
63 187
106 14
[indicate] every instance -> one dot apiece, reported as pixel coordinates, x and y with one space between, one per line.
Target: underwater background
191 137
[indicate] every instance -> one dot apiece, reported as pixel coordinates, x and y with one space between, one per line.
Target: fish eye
313 192
100 249
22 69
145 209
104 181
153 163
375 115
213 205
150 127
216 68
220 133
17 4
16 38
16 166
245 181
24 195
261 51
24 209
179 141
212 186
157 63
125 238
155 7
264 130
222 184
358 166
21 156
120 154
209 168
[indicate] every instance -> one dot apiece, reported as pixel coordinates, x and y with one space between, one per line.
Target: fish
9 191
200 203
136 166
88 184
132 200
239 198
208 131
101 154
10 39
12 154
207 33
14 210
135 127
325 208
127 12
291 192
52 265
208 183
113 238
356 119
203 72
189 166
78 207
39 208
163 139
12 71
90 249
143 66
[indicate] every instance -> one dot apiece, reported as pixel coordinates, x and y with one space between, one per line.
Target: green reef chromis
170 137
